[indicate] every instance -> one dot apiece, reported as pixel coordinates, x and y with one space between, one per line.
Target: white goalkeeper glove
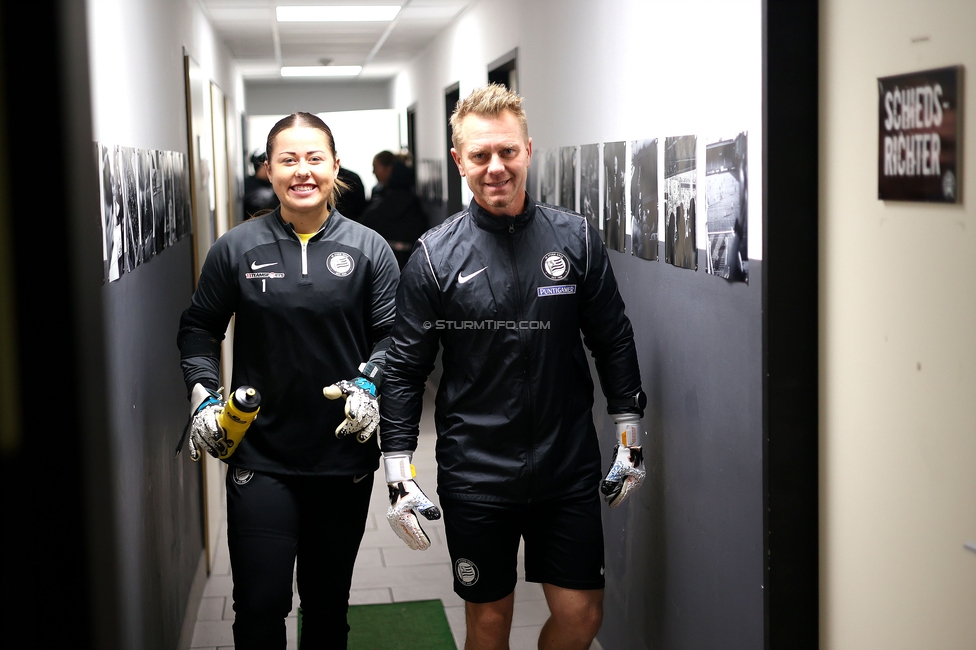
362 408
626 470
205 433
406 500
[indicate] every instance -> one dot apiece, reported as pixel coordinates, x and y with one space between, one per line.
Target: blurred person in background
259 195
382 168
396 214
352 198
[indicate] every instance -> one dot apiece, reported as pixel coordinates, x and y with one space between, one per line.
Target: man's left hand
625 475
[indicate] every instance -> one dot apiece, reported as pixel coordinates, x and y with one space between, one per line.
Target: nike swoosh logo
464 278
357 479
255 266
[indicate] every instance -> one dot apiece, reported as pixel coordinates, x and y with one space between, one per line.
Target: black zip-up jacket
508 297
306 316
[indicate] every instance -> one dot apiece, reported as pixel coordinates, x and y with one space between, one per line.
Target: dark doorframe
452 94
504 70
412 132
790 324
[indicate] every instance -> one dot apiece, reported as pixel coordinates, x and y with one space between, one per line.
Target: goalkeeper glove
406 500
362 407
205 433
626 470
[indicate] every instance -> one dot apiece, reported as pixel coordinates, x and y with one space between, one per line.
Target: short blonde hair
491 100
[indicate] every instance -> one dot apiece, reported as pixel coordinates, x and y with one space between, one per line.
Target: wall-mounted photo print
727 198
175 180
147 236
165 162
550 174
157 183
643 199
125 158
614 206
430 179
680 188
567 177
589 199
187 200
111 195
145 204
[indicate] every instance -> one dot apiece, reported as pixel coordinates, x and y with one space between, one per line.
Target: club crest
555 266
466 572
242 476
340 264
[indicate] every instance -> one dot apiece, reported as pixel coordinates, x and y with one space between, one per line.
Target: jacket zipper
304 257
525 361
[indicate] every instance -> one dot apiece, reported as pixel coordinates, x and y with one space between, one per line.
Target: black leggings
271 520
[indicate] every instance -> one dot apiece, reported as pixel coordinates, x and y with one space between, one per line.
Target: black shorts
563 544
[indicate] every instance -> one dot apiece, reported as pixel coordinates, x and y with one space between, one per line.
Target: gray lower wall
158 496
684 559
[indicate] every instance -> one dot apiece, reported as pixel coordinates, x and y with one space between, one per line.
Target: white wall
602 72
898 348
136 59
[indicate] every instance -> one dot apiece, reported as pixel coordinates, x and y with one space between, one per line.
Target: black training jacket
508 297
305 317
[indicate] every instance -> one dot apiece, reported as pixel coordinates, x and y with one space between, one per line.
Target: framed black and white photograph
430 179
111 211
727 201
125 158
614 195
169 190
185 205
680 198
643 199
532 175
158 199
589 192
143 158
567 177
550 176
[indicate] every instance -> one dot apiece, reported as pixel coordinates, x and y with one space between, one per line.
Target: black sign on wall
918 136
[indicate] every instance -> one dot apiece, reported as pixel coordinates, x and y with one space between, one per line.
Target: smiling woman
312 295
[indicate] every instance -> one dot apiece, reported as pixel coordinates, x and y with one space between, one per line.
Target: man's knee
581 611
489 618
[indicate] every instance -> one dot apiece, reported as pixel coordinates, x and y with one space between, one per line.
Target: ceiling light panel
312 14
321 70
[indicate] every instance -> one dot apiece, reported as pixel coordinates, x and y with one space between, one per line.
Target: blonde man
506 287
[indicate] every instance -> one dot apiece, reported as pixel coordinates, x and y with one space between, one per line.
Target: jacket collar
488 221
290 229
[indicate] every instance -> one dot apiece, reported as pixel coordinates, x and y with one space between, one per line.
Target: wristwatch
627 404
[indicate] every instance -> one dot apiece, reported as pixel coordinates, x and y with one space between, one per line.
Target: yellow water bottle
238 414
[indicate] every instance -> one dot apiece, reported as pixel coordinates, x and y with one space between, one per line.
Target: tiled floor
386 571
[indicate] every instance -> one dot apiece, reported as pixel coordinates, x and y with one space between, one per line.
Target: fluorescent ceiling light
321 70
313 13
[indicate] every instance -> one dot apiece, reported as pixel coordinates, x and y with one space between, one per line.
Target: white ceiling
261 45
